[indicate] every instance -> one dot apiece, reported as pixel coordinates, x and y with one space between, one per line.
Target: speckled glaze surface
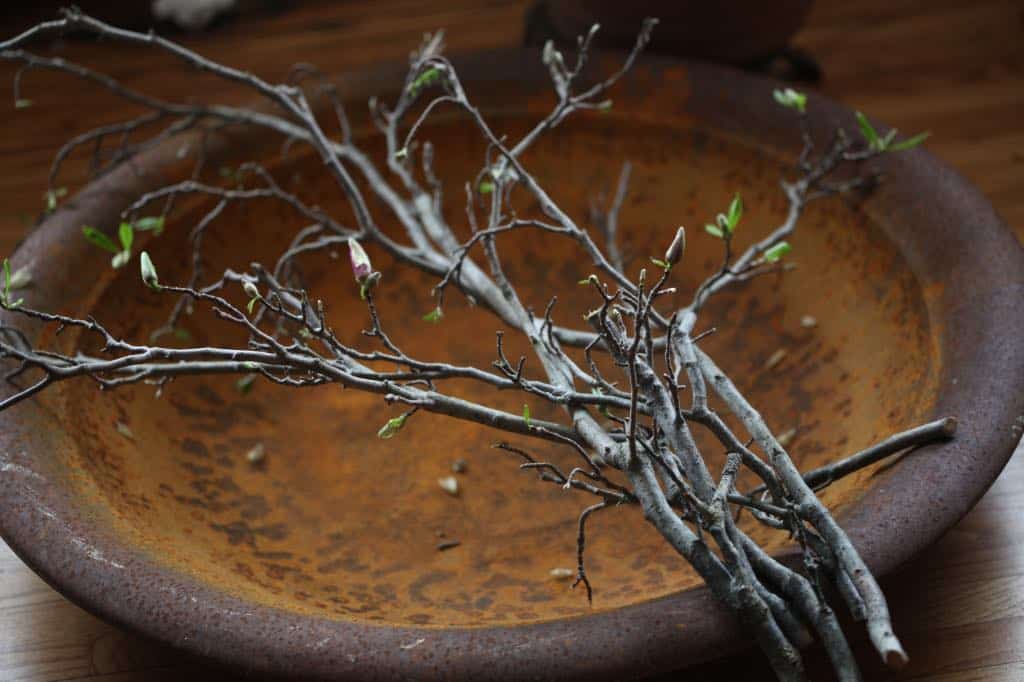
321 561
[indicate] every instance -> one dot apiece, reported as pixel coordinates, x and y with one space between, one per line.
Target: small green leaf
244 385
526 416
661 264
22 103
97 238
120 259
486 187
148 270
776 252
714 231
425 79
392 427
603 409
154 224
52 195
434 316
910 142
126 233
251 304
402 153
735 212
869 132
791 99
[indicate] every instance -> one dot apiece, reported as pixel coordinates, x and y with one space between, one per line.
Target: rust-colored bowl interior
338 522
338 526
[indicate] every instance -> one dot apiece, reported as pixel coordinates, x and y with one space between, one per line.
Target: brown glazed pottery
322 560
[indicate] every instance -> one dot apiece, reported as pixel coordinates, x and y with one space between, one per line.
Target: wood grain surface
956 68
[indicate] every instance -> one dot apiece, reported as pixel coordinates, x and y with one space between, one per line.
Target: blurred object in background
751 34
190 14
138 14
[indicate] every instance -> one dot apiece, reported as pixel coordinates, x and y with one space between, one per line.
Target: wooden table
956 68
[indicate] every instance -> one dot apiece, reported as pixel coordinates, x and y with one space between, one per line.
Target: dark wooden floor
956 68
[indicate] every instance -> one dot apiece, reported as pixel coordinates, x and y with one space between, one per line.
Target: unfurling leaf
97 238
126 233
252 304
434 316
148 271
776 252
714 231
909 143
526 416
869 132
154 224
425 79
664 265
735 212
392 427
52 195
791 99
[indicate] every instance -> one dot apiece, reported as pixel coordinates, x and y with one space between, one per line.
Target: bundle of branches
631 406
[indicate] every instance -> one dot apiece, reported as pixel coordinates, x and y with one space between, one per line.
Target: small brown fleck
787 437
775 358
449 484
123 429
256 454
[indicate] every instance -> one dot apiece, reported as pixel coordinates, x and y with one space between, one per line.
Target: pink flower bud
361 267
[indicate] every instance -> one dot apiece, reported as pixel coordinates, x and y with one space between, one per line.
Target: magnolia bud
361 267
250 289
148 271
676 248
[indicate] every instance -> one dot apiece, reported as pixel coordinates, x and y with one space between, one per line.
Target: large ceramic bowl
322 560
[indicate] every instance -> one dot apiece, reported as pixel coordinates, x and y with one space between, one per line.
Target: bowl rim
948 232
